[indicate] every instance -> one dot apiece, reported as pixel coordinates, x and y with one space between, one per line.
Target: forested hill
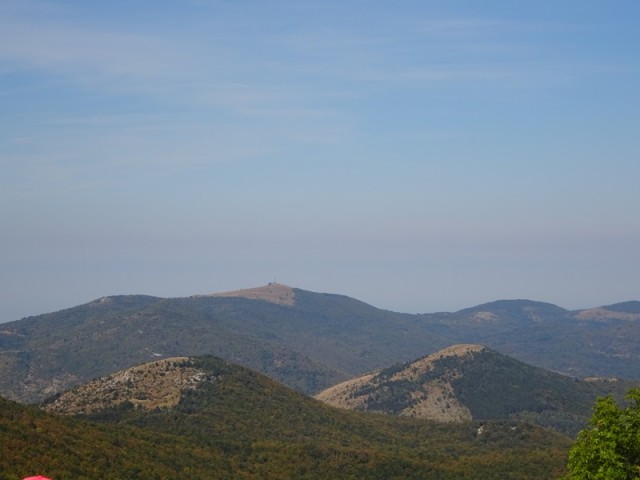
306 340
471 382
232 423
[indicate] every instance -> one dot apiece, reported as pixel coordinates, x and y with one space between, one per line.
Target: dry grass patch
273 292
153 385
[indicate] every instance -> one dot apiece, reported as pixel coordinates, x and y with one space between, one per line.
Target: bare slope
152 385
431 398
273 292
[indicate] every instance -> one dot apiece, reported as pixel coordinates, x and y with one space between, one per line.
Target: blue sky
417 155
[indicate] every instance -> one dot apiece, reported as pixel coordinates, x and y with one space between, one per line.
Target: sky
420 156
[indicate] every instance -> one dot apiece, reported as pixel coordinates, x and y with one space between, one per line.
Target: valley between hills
227 379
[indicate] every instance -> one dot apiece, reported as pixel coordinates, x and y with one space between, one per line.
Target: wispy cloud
195 80
294 69
30 41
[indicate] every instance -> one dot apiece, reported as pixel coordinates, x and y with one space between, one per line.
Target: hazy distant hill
465 382
602 341
249 426
315 342
306 340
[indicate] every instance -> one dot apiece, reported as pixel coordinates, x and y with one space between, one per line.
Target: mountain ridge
315 342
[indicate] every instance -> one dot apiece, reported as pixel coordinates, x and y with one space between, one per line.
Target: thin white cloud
289 86
47 44
283 68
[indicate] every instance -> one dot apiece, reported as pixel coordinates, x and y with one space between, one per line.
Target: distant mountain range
202 418
308 341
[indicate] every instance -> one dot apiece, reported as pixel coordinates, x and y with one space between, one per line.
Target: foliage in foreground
610 448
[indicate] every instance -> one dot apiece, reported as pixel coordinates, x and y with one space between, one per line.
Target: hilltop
406 391
159 384
273 292
471 382
306 340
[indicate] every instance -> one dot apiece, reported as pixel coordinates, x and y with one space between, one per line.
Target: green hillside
239 424
34 442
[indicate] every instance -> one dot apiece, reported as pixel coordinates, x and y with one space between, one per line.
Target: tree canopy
609 449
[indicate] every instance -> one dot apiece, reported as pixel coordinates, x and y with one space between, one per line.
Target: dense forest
239 424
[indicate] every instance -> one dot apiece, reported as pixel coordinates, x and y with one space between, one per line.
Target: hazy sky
418 155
